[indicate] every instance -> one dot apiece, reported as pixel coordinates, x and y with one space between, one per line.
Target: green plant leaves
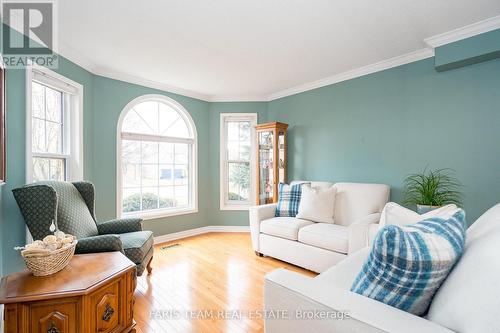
433 188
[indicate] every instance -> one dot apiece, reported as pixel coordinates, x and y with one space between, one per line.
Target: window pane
178 129
48 169
167 197
148 112
245 150
56 169
245 130
54 137
168 117
133 123
131 175
181 174
166 153
239 181
131 200
166 174
181 195
131 151
181 153
149 175
37 100
232 131
40 169
53 99
149 198
38 135
155 118
233 150
150 152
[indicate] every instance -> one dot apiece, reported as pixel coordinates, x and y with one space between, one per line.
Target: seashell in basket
43 261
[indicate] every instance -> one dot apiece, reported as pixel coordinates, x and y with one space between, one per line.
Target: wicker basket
46 264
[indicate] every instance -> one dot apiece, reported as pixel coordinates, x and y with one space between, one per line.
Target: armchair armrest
119 226
338 310
358 232
101 243
257 214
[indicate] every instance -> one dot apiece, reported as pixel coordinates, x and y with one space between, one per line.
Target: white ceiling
251 50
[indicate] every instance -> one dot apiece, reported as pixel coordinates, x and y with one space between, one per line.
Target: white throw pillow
317 204
399 215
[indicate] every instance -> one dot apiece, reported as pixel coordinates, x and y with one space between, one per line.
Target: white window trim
158 213
74 168
224 117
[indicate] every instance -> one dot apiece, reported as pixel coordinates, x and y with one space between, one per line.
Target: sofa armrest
101 243
336 310
257 214
119 226
358 232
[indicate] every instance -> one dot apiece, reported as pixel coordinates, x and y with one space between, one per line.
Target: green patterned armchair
71 205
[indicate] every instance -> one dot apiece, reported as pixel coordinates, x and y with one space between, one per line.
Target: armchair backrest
71 205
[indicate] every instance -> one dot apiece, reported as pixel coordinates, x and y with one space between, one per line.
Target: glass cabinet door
266 172
281 157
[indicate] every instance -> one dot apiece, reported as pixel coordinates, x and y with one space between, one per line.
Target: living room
165 160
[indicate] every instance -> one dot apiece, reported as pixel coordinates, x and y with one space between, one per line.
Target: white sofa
319 246
467 302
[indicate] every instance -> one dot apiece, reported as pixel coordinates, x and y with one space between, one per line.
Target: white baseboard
199 231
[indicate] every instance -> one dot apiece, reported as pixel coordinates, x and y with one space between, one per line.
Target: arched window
156 159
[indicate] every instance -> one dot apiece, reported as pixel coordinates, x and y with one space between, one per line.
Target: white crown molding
69 53
116 75
427 52
238 98
365 70
199 231
470 30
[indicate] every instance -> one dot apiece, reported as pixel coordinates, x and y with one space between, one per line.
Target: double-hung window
237 171
54 120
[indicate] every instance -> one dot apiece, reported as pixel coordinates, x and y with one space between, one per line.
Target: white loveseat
319 246
467 302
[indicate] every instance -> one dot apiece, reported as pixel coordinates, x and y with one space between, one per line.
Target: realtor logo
28 33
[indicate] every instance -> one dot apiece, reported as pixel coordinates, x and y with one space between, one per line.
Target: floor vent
166 247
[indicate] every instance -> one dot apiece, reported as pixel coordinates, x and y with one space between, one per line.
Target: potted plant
432 189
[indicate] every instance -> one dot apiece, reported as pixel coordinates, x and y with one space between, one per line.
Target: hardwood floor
194 281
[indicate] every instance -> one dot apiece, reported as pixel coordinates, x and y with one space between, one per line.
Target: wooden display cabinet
271 161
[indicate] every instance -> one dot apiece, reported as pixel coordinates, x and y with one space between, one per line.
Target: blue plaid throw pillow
408 264
288 199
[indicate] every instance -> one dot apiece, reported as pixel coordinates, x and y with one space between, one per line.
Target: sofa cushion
288 199
317 204
468 300
407 264
342 274
355 200
399 215
284 227
136 245
325 235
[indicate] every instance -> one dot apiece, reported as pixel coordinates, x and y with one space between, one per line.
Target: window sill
235 207
152 215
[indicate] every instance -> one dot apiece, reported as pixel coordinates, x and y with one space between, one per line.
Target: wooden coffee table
94 293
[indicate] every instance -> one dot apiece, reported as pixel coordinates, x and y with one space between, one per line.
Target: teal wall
217 216
383 126
468 51
110 97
